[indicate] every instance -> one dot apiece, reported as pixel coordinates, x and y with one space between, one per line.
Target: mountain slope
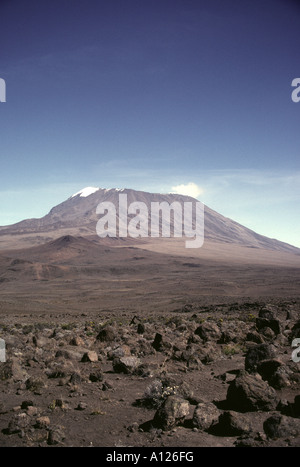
77 216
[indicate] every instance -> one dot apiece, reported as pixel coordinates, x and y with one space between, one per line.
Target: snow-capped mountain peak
89 190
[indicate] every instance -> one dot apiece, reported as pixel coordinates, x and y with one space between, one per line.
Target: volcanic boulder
248 393
173 411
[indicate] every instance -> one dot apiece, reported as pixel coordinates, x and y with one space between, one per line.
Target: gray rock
281 378
281 426
205 415
273 324
257 354
126 365
232 424
208 331
19 422
26 404
75 378
42 342
173 411
268 312
191 357
120 351
96 376
82 406
107 334
12 370
250 393
63 354
208 353
254 336
77 341
35 384
267 368
60 369
252 440
90 356
160 343
268 333
141 328
42 422
56 436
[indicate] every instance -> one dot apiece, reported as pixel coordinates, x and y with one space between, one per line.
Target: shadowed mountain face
77 216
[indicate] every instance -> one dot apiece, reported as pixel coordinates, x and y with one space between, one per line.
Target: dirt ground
48 396
111 346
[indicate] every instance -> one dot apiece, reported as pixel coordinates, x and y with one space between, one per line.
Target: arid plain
143 342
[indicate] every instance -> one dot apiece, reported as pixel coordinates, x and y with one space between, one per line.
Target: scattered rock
250 393
273 324
232 423
61 369
63 354
41 341
257 354
184 366
107 334
42 422
19 422
12 370
141 328
96 376
56 436
209 353
35 384
205 416
26 404
134 427
281 426
173 411
267 368
281 378
127 365
208 331
81 406
118 352
75 378
254 336
160 343
90 356
252 440
268 312
77 341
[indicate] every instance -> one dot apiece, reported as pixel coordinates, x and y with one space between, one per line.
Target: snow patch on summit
89 190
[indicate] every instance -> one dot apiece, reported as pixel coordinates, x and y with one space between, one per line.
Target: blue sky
154 95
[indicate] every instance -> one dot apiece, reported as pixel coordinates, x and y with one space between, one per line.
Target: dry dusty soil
153 350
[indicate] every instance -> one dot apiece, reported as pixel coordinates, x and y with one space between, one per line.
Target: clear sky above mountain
153 95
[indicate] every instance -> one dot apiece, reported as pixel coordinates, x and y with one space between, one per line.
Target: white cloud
190 189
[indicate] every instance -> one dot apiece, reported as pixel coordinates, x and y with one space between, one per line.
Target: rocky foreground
220 375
